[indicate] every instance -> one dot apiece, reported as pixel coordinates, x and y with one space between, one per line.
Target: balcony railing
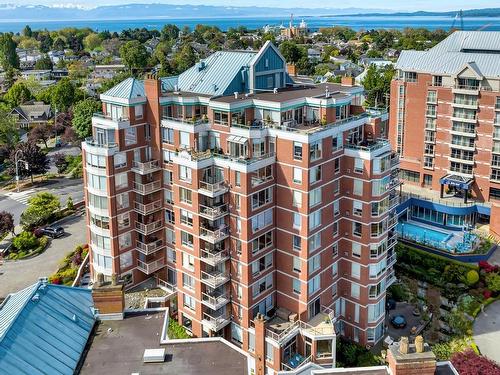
94 143
214 212
214 236
145 209
393 202
165 285
148 188
213 188
108 117
214 257
145 167
148 228
368 146
149 248
392 221
150 267
391 260
214 278
217 322
187 121
215 300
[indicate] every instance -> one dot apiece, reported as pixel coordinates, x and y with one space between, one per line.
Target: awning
457 181
236 139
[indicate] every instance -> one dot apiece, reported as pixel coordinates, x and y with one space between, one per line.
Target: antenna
460 16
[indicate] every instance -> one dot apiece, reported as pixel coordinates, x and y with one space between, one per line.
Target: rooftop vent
275 90
236 94
35 298
154 356
201 66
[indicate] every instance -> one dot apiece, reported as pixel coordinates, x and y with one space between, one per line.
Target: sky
400 5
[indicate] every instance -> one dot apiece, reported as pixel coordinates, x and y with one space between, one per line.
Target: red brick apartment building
260 204
445 118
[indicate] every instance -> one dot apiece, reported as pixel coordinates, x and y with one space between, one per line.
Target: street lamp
16 161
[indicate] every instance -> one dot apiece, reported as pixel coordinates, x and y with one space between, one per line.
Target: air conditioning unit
348 170
347 213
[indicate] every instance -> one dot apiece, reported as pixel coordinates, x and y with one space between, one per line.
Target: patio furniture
398 321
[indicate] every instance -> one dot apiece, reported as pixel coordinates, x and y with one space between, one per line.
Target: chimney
411 359
109 299
260 345
291 69
347 81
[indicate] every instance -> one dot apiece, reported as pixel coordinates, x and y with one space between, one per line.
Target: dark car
54 232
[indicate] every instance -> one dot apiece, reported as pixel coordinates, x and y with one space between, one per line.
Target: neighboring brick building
445 122
258 201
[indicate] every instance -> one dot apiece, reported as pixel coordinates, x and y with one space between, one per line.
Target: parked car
54 232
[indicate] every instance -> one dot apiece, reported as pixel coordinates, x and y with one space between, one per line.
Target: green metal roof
44 329
131 88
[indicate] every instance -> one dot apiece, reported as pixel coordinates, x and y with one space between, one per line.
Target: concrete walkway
486 331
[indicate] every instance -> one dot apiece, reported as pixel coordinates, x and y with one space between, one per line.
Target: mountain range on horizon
10 12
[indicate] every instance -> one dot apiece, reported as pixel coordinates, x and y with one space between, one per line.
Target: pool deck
434 196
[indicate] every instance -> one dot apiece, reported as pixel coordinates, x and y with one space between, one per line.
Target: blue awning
457 181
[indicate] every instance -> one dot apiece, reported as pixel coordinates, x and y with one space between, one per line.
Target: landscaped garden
176 331
68 269
452 291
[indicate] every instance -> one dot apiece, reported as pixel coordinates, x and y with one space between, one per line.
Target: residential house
32 113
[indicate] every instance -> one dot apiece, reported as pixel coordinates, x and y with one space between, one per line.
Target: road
16 275
486 331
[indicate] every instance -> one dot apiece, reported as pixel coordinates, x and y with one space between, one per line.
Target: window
187 218
358 165
315 242
296 286
356 250
269 352
170 236
167 135
185 195
103 242
315 151
97 202
126 260
297 264
354 290
336 165
358 187
188 281
314 284
99 221
357 208
121 180
122 201
96 161
262 242
262 197
123 220
167 177
315 197
297 150
189 302
337 142
437 81
297 220
335 269
262 220
238 225
171 255
335 229
376 270
336 187
188 261
168 196
96 182
296 242
314 219
262 264
221 118
237 178
335 249
170 216
237 202
355 270
336 208
297 175
262 285
357 229
313 264
315 174
186 239
184 140
296 198
138 111
124 241
130 136
185 173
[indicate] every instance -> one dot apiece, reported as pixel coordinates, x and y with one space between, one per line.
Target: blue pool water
422 234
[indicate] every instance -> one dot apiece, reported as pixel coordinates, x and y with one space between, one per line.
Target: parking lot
16 275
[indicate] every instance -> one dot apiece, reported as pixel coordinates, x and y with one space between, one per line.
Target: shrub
470 363
493 282
445 350
487 267
398 292
176 331
25 241
472 277
487 294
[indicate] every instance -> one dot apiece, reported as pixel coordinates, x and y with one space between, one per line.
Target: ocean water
314 23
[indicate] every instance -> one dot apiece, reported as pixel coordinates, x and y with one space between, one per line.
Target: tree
470 363
184 59
91 42
6 223
27 31
36 161
169 32
60 162
40 208
82 117
45 42
8 55
40 132
59 43
69 136
134 55
9 136
17 94
377 84
291 51
45 63
63 95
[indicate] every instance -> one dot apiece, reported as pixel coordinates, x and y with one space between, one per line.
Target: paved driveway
486 331
16 275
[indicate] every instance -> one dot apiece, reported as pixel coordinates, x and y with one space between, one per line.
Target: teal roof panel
131 88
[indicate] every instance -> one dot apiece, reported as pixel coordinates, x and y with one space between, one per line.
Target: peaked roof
131 88
460 48
213 75
44 329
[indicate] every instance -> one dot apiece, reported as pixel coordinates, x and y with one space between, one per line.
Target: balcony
145 167
214 257
187 121
148 188
146 229
146 209
212 189
166 286
393 202
391 259
99 147
215 300
214 278
149 267
214 212
216 322
102 119
392 222
465 89
369 146
149 248
392 239
390 278
214 236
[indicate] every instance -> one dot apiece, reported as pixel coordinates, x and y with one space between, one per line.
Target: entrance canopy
457 181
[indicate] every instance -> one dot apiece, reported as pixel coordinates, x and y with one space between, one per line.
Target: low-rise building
32 113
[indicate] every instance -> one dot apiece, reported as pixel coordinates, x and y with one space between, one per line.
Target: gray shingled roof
482 48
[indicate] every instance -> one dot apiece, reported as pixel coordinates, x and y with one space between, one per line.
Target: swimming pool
422 234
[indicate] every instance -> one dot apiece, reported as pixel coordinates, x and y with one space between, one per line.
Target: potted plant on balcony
323 121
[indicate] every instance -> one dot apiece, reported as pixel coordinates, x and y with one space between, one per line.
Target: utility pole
16 162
